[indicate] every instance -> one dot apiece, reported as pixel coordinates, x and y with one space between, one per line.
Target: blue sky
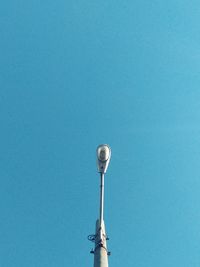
73 75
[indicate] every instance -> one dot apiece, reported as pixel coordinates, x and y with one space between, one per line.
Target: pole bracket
91 238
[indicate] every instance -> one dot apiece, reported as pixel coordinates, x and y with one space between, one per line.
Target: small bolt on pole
100 251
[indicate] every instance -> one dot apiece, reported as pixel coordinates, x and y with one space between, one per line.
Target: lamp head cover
103 157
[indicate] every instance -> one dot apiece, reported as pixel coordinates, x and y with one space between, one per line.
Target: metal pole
99 238
101 198
100 252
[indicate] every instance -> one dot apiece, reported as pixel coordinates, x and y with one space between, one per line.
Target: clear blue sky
74 74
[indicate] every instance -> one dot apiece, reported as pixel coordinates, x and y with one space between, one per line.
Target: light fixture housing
103 157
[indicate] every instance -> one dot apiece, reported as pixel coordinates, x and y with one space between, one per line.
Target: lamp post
100 251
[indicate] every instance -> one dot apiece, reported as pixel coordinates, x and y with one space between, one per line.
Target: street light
100 252
103 158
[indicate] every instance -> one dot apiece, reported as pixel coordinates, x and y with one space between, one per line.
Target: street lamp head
103 157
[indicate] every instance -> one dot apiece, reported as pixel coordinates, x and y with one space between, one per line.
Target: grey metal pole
100 251
101 197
